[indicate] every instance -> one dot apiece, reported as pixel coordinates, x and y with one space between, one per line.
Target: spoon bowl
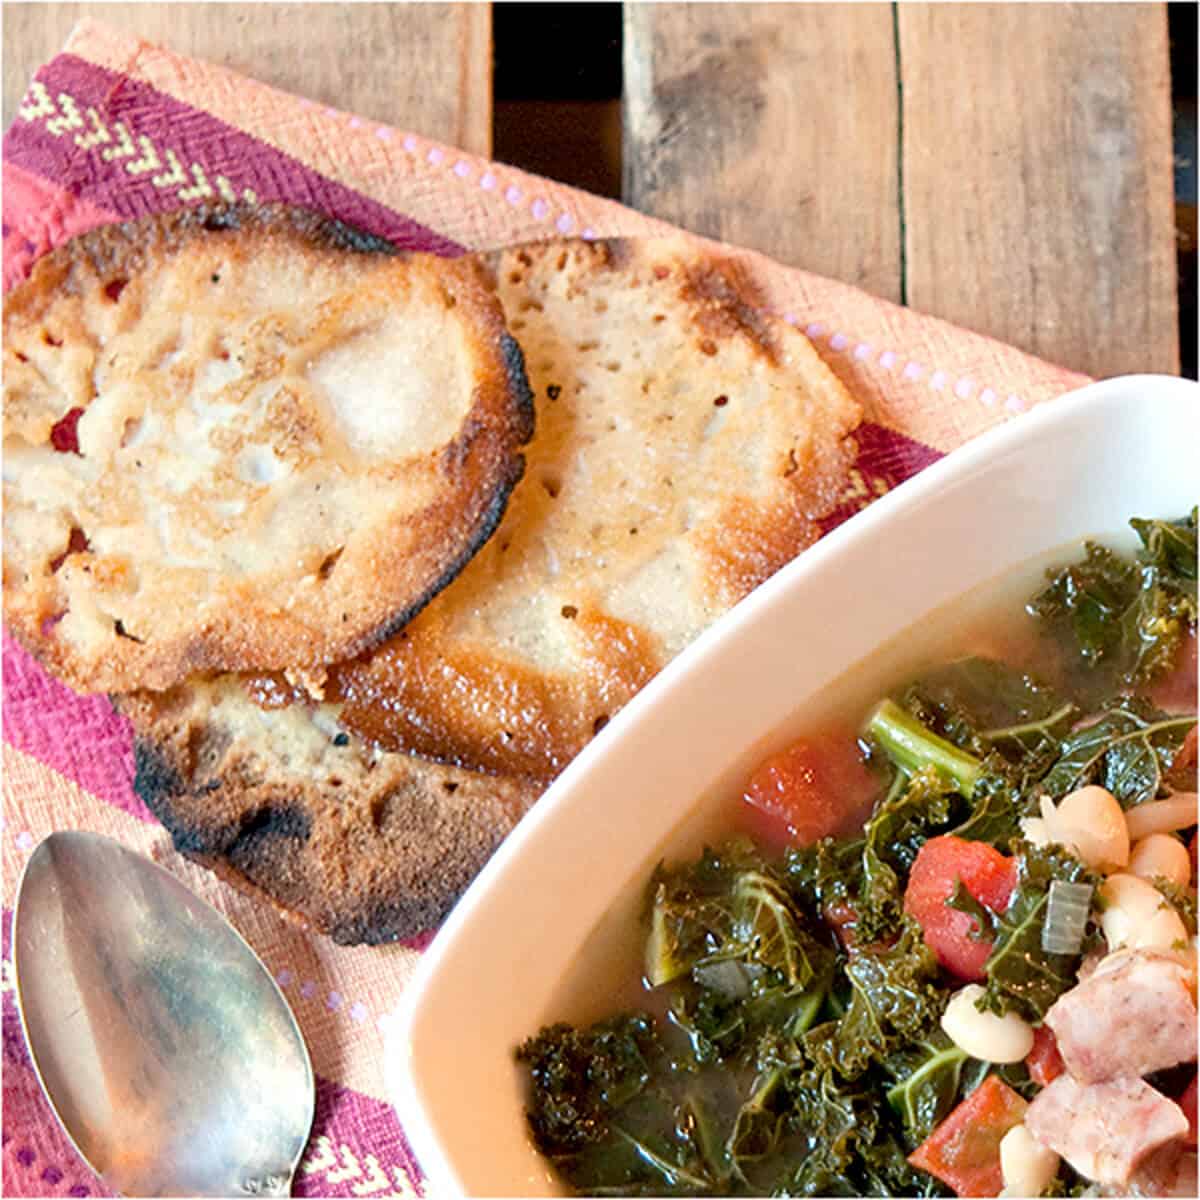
161 1041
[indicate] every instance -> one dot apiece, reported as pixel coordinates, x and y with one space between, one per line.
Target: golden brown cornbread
290 436
687 446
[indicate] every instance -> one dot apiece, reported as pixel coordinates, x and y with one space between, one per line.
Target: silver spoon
163 1044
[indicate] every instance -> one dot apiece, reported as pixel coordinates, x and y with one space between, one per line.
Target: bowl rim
404 1076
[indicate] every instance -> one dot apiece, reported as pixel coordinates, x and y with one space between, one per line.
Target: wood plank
426 67
1037 182
772 126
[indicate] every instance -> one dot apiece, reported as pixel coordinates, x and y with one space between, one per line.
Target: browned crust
432 692
364 853
477 469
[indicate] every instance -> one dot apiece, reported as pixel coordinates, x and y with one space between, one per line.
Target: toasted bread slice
289 437
352 841
688 445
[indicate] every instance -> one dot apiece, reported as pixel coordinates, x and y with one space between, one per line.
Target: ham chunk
1167 1173
1135 1013
1104 1130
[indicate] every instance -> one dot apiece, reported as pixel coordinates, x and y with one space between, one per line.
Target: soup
819 1007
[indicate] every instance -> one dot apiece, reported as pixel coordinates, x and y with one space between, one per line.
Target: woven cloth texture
114 128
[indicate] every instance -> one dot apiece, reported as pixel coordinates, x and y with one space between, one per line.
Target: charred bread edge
99 246
224 850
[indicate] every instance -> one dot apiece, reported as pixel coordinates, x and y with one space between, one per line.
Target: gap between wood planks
1005 167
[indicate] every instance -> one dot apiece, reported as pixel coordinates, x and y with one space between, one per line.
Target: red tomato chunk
987 874
816 787
964 1150
1044 1062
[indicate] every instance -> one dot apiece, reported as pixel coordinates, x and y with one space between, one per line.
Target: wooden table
1006 166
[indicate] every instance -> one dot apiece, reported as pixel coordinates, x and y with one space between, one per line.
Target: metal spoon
164 1046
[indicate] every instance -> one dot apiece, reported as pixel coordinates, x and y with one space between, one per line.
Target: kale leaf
1128 750
766 931
827 873
581 1077
1021 976
835 1122
981 705
928 1074
997 804
894 996
1128 614
733 941
690 912
733 924
1171 547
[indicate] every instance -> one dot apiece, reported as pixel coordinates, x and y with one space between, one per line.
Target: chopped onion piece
1161 816
1066 917
728 977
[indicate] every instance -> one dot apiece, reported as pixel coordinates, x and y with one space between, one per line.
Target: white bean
1035 831
984 1035
1161 856
1162 816
1137 916
1091 820
1027 1165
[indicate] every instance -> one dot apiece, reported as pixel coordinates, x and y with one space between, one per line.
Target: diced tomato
816 787
964 1150
987 874
1188 1103
1044 1062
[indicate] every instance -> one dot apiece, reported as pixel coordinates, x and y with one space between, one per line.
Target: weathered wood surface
772 126
418 66
1007 167
1038 194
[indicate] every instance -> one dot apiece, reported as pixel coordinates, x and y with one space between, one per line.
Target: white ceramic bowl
1079 466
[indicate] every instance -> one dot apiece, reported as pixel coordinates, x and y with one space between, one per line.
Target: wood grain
426 67
1037 178
772 126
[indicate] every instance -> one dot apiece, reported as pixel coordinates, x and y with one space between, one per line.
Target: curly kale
916 808
1128 615
893 996
1128 750
580 1078
983 706
731 923
928 1075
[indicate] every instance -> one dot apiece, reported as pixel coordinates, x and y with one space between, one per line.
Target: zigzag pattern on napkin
61 115
125 147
